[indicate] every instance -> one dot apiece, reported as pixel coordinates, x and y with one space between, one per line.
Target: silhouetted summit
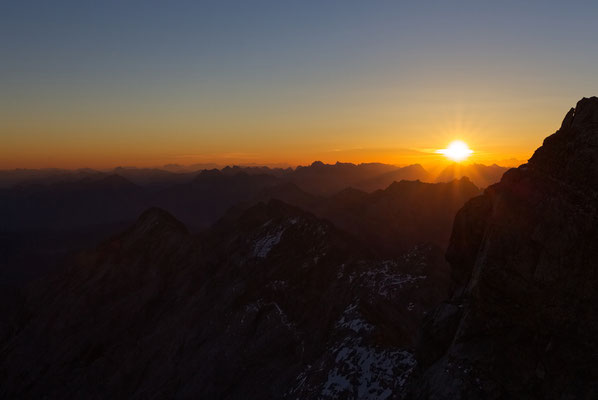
392 220
327 179
570 155
523 319
480 174
112 181
159 220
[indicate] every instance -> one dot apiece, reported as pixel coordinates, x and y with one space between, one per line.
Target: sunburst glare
457 151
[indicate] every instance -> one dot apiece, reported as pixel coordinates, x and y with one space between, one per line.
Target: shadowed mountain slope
208 196
523 320
402 215
68 205
273 304
388 221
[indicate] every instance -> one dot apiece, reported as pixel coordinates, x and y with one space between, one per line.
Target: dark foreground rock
523 319
275 303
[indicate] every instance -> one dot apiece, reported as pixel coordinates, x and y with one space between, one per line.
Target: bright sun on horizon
457 151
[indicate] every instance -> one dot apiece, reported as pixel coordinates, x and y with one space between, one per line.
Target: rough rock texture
273 304
523 320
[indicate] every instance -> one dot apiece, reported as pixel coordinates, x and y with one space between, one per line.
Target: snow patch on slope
385 281
367 372
351 319
264 244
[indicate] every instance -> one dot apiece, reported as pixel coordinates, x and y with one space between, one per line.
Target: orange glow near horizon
87 158
398 130
298 139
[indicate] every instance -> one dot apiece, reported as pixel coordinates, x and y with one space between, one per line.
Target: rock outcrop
523 319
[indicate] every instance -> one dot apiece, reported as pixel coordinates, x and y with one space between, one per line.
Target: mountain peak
274 208
586 112
570 154
115 181
463 181
155 219
210 173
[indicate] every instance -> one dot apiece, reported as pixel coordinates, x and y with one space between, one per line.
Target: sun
457 151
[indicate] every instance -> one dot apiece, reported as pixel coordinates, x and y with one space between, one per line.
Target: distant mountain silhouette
111 198
402 215
50 220
317 178
209 195
273 304
10 178
523 319
327 179
391 220
62 206
278 172
72 199
480 174
413 172
153 177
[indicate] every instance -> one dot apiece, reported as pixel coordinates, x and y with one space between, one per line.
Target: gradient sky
100 83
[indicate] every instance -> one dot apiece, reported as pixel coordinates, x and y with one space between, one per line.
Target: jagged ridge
523 319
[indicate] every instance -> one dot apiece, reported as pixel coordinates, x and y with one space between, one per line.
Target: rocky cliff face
523 319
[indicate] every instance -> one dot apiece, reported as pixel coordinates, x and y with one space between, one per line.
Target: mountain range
389 221
317 178
288 293
66 200
47 221
273 304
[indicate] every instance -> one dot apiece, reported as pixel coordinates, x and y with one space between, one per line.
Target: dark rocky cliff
523 319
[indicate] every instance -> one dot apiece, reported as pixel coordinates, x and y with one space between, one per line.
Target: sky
101 84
